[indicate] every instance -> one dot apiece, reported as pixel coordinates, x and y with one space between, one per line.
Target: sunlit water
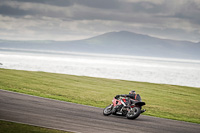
154 70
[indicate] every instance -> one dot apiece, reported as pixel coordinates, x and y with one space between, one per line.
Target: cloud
190 10
15 12
86 18
62 3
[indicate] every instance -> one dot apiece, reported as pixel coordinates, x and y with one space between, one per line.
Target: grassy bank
11 127
166 101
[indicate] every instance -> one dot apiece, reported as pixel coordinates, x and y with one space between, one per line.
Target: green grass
11 127
165 101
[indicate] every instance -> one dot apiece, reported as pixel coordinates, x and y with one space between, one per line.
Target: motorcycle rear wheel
133 113
108 110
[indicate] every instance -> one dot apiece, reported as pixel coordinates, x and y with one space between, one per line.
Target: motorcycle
126 107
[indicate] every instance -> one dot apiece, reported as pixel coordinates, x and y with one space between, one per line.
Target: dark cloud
103 4
146 7
108 10
19 10
87 10
15 12
64 3
193 18
106 15
189 11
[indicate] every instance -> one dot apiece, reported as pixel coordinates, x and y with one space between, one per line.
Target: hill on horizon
121 43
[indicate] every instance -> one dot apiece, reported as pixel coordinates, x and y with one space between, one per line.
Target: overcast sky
79 19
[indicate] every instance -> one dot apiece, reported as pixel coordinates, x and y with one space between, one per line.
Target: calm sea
154 70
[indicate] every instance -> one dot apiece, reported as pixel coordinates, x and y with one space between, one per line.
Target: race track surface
79 118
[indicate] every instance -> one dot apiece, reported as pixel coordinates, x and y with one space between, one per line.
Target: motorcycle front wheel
108 110
133 113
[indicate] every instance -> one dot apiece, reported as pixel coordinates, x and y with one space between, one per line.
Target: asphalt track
66 116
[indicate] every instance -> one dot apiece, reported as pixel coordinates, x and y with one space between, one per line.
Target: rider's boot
142 111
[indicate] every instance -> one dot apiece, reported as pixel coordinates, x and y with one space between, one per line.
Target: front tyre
108 110
133 113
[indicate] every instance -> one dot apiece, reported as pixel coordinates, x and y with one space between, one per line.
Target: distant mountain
123 43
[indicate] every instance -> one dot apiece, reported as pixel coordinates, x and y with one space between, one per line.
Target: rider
130 98
132 95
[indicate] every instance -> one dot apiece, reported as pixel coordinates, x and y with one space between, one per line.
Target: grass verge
162 100
11 127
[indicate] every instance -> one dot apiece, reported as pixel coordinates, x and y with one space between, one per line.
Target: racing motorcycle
125 106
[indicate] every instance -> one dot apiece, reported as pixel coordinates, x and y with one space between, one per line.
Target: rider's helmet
132 92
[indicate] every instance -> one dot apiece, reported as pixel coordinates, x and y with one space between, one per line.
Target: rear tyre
108 110
133 113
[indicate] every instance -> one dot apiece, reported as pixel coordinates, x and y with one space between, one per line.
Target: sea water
145 69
